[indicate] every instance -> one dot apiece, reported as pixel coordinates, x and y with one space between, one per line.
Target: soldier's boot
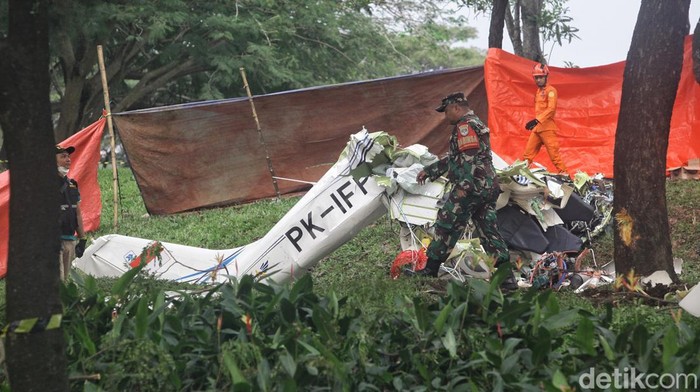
431 269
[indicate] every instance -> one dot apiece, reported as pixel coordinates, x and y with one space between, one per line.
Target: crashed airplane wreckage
545 220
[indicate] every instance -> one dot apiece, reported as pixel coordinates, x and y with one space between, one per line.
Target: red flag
83 169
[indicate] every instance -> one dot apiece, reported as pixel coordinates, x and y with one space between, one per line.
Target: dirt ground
658 296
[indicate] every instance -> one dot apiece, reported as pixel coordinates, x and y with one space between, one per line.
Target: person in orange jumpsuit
544 129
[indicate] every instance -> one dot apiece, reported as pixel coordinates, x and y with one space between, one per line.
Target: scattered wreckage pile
548 222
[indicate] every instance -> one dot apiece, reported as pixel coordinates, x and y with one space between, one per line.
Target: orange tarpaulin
84 162
587 112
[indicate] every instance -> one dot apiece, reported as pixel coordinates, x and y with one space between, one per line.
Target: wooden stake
105 90
262 139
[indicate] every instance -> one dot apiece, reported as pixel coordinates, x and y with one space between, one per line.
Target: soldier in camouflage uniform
469 168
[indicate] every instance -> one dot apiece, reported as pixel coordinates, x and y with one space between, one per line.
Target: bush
250 336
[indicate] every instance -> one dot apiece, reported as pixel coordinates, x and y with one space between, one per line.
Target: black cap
452 98
60 150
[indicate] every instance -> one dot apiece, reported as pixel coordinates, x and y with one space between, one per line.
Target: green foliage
554 25
167 52
431 46
249 336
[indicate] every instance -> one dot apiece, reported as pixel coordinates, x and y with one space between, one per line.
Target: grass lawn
360 268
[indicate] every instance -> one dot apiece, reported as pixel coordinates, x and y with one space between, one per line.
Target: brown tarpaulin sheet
208 154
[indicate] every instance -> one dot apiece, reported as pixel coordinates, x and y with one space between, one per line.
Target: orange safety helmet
540 70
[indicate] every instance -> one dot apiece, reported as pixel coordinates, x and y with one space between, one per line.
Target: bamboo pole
110 126
260 133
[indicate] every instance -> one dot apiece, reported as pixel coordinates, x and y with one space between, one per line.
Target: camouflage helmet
452 98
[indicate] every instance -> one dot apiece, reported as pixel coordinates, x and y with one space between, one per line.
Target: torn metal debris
547 220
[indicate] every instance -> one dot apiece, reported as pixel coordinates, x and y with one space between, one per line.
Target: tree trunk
3 153
530 10
36 360
498 16
651 76
513 28
157 78
70 120
83 97
77 64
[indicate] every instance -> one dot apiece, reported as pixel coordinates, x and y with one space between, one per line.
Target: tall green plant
247 335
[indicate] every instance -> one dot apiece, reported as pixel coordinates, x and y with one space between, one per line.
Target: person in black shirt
71 220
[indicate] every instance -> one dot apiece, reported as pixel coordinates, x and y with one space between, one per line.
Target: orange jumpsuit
545 133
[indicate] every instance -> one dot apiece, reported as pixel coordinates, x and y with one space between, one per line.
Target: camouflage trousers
452 220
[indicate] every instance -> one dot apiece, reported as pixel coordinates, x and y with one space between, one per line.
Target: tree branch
326 45
158 78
